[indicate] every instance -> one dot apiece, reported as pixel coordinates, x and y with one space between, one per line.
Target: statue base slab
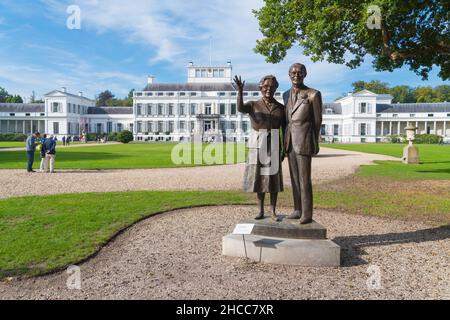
285 243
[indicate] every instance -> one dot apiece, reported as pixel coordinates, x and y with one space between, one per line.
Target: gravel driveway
329 165
177 255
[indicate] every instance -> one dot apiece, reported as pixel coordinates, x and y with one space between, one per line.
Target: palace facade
206 105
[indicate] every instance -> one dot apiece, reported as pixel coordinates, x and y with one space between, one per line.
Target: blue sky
121 42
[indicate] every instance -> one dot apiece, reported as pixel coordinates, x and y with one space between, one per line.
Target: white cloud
178 31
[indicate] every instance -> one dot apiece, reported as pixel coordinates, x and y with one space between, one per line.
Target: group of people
66 141
296 125
46 146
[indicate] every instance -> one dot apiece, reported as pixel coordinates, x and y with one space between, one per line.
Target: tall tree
375 86
104 98
403 94
3 94
413 33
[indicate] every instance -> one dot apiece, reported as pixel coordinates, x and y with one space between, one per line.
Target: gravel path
329 165
178 256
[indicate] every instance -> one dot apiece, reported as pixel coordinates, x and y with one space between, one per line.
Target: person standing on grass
43 157
64 140
31 149
50 152
68 140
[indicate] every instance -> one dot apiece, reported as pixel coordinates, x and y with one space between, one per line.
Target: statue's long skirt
261 175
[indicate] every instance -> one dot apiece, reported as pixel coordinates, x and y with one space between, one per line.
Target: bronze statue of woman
267 118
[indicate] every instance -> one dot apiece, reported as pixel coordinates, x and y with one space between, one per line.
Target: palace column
445 128
435 128
382 128
426 127
390 128
398 127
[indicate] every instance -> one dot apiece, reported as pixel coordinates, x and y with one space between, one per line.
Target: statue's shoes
259 216
294 215
306 220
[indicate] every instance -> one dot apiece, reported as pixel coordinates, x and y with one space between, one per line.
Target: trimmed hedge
13 137
125 136
427 139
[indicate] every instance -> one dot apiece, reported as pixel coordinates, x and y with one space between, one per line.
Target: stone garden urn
410 152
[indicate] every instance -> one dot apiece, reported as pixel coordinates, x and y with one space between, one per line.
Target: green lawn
435 161
11 144
39 234
115 156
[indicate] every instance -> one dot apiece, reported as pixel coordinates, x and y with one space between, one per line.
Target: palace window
363 129
12 114
171 109
182 125
222 108
160 109
255 94
193 108
139 109
182 109
336 130
233 125
233 108
55 127
171 94
221 94
395 115
109 127
149 109
160 126
182 94
412 115
55 107
139 126
323 129
221 73
363 107
430 115
171 126
27 114
233 94
193 94
160 94
149 94
208 109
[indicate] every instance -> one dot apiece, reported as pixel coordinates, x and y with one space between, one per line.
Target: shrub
427 139
13 137
396 138
113 136
125 136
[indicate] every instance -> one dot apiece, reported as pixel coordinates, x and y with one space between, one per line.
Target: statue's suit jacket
304 119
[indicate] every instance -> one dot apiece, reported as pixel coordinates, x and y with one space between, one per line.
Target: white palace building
206 105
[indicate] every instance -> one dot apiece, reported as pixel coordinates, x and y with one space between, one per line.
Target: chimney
191 64
150 79
64 89
80 93
229 63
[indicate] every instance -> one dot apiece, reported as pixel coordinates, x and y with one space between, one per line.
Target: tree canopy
106 98
404 93
414 33
8 98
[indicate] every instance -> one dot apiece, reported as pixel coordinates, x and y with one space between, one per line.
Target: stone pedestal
411 154
286 242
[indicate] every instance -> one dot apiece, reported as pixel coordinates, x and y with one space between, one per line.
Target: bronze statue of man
304 119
